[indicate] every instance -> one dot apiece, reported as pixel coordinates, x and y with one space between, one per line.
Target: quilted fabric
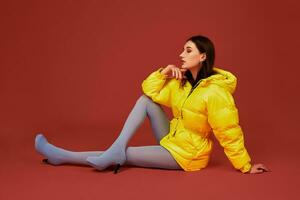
198 111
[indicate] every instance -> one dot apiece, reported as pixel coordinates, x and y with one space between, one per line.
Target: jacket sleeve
224 120
157 88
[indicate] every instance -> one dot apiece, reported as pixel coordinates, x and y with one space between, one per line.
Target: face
191 57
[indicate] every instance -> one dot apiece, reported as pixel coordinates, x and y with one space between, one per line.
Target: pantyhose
154 156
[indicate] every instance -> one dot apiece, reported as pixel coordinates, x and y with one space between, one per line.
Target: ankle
119 145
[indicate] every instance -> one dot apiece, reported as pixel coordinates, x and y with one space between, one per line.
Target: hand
173 71
258 168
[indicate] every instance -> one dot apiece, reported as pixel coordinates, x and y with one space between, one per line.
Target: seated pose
200 96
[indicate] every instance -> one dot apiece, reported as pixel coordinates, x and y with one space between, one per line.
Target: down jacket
207 107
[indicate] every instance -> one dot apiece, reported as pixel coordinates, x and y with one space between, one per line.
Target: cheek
193 60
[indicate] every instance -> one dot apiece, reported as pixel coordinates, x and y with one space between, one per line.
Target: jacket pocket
186 142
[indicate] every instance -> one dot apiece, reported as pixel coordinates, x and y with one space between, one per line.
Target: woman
200 96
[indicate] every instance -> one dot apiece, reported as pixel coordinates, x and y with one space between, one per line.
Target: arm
224 120
157 87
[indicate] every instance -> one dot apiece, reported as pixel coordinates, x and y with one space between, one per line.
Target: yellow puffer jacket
198 111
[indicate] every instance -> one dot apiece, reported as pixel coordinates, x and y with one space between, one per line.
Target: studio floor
24 175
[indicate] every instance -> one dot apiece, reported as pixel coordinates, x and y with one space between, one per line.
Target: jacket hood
222 78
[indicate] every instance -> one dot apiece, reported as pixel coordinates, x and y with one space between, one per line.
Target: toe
40 140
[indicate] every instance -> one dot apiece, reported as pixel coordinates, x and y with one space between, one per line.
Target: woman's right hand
172 71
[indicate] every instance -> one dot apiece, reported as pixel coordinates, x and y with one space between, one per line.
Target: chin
189 67
185 67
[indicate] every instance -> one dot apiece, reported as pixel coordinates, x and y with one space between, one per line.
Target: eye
188 50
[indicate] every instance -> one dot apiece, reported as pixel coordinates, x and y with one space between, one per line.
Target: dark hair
204 45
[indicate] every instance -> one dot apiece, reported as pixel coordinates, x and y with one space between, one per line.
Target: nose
181 56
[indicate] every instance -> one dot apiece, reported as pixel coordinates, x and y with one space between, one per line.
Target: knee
144 99
130 151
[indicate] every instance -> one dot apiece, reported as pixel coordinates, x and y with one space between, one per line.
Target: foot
112 156
53 154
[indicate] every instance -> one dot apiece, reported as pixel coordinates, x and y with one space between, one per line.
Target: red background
73 70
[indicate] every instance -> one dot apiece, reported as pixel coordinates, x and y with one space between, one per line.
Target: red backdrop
73 70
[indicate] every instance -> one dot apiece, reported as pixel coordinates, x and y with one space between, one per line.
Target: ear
202 57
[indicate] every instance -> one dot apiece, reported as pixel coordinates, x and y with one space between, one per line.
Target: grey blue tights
154 156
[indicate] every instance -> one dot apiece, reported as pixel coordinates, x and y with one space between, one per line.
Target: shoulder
217 93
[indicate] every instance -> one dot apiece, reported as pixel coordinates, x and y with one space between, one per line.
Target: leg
57 156
158 119
144 107
116 153
151 156
144 156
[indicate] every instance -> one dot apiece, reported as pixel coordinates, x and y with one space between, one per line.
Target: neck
194 71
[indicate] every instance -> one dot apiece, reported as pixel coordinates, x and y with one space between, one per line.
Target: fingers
262 167
259 168
177 72
174 72
256 171
182 73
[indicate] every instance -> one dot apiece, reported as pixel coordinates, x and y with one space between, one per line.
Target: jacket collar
222 78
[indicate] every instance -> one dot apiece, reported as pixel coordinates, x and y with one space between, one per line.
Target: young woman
200 96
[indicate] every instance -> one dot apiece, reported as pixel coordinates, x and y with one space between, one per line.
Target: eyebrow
188 47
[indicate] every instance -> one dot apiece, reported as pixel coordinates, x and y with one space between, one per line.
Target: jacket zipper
183 104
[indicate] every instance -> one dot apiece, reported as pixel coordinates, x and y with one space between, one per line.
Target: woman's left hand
258 168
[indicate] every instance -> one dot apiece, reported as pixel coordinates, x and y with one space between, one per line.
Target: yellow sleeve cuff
246 168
